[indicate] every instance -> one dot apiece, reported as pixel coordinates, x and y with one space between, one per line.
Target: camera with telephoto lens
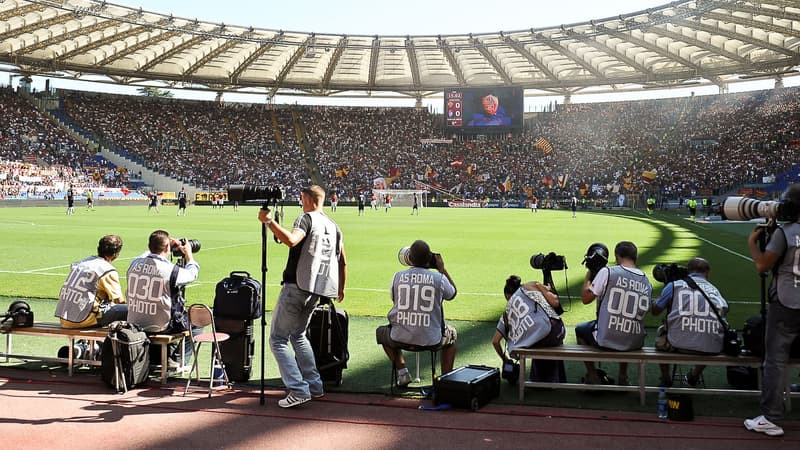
668 273
744 208
596 258
193 243
80 350
548 262
250 192
404 256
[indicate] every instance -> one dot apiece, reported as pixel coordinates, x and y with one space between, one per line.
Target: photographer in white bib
91 296
417 316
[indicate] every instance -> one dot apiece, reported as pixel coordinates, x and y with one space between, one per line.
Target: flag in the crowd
395 172
648 176
562 181
458 162
342 172
125 190
548 180
583 189
627 180
543 145
505 186
430 173
379 183
472 168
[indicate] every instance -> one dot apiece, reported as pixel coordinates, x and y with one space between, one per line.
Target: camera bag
238 296
125 356
328 334
753 337
467 387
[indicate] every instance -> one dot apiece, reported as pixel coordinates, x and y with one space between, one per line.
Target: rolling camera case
125 357
327 331
467 387
238 296
237 351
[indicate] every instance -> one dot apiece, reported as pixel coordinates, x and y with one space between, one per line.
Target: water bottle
218 375
662 403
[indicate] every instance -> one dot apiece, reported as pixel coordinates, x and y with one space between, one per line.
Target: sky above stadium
414 17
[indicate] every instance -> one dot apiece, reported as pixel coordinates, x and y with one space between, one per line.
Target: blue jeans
112 313
289 322
783 327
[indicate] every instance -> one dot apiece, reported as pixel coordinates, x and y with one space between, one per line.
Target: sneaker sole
767 432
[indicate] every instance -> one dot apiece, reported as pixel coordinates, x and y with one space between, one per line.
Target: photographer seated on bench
417 317
692 325
530 320
623 293
91 296
155 299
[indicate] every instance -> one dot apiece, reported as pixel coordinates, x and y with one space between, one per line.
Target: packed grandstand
675 148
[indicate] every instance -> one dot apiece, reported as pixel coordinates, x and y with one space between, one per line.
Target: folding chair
201 316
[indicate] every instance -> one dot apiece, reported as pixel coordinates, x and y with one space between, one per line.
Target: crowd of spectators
698 145
38 159
204 144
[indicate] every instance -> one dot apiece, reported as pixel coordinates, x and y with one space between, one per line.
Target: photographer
623 290
417 316
315 270
530 320
783 319
691 325
154 295
91 296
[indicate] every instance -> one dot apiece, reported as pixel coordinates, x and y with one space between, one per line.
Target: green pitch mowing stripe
480 248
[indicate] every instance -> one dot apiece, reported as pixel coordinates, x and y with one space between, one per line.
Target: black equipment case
125 356
237 301
237 351
327 332
467 387
238 297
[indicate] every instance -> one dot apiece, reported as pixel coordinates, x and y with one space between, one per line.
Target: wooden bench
640 358
92 335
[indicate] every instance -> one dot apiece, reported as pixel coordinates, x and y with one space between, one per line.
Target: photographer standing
417 316
531 320
155 299
783 319
691 325
624 298
315 270
91 296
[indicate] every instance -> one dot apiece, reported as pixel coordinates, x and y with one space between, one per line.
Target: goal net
402 197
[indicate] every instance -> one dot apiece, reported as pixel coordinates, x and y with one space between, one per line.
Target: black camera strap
693 284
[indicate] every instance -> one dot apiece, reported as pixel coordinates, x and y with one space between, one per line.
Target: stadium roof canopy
680 43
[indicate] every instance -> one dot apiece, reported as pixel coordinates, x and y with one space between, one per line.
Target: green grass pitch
480 247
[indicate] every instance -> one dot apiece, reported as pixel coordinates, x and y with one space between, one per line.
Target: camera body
404 256
194 243
596 258
668 273
548 262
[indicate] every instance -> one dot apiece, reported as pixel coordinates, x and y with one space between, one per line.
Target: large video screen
483 109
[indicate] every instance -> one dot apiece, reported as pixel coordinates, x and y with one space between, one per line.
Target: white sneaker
403 378
761 425
292 400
